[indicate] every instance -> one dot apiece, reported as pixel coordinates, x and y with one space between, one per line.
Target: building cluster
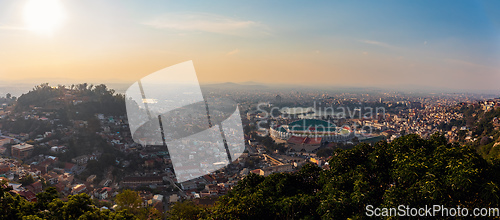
413 115
44 155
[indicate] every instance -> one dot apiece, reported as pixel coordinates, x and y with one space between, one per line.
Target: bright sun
43 16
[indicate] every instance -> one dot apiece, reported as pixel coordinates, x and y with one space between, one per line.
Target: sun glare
43 16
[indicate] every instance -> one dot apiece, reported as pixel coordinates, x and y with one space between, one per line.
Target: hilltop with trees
98 99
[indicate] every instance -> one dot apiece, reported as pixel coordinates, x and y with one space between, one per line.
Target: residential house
101 194
35 187
70 167
80 188
28 195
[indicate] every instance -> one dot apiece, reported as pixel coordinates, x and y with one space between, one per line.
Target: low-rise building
22 151
80 188
276 169
101 193
142 180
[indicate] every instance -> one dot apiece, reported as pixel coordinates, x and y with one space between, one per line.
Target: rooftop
23 146
304 140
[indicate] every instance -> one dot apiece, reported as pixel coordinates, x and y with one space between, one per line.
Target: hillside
483 130
409 171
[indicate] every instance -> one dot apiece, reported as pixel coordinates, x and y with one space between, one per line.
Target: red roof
304 140
107 189
60 187
68 166
257 171
28 195
37 186
79 188
208 178
295 140
313 141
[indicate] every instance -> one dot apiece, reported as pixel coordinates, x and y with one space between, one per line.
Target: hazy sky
448 44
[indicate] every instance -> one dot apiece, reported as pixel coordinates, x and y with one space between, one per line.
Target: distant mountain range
231 85
18 87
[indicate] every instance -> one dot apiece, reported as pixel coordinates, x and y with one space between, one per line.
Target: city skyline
449 45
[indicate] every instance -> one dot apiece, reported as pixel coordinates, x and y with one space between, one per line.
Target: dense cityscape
249 110
76 138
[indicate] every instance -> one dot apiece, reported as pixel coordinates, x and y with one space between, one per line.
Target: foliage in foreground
80 206
409 171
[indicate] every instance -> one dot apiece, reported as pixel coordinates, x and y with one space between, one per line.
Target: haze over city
123 109
424 44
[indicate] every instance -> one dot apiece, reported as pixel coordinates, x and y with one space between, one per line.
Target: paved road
251 149
181 192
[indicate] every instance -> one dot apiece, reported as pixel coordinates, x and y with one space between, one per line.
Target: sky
387 44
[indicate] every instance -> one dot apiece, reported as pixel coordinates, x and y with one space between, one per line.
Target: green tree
185 210
410 170
13 206
27 180
46 197
76 206
128 199
325 152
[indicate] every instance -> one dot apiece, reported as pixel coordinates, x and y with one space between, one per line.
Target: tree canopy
408 171
49 206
